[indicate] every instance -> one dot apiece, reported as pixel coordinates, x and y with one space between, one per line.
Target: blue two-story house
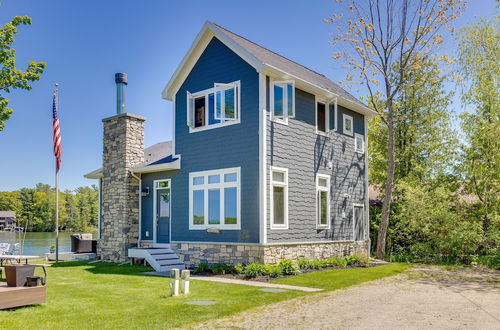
268 161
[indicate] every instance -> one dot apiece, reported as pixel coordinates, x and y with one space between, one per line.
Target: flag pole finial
56 85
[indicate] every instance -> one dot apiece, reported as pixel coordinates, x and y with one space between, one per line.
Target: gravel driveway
424 297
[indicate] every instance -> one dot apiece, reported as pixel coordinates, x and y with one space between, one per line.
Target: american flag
57 131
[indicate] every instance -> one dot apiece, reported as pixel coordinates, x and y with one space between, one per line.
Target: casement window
279 198
323 201
282 100
214 107
324 122
347 124
359 143
214 199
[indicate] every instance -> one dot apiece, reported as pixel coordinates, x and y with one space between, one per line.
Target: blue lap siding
231 146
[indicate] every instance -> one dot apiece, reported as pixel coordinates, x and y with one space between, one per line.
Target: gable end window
323 201
214 199
214 107
347 124
282 100
279 198
359 143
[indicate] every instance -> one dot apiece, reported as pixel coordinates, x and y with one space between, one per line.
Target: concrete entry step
161 259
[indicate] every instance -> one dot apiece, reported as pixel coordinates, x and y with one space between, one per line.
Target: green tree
479 55
380 42
10 76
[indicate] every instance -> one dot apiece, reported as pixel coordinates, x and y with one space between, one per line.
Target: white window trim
205 93
205 187
155 206
350 132
327 189
280 120
271 194
327 117
354 205
362 150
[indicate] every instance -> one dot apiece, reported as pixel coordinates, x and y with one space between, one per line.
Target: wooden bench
21 296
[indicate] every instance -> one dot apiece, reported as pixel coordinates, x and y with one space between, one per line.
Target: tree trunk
386 208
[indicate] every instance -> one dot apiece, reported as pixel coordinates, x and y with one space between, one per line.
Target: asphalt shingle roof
271 58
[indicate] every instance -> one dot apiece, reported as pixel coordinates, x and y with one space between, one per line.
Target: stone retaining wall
195 253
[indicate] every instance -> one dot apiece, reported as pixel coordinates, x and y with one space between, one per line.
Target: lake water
38 243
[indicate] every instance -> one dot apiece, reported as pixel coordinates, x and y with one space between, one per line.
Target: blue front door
163 215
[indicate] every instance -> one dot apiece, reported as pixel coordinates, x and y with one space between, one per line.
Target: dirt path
424 297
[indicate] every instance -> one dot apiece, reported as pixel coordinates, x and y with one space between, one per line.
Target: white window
282 100
214 107
279 198
323 119
359 143
359 222
323 201
347 124
214 199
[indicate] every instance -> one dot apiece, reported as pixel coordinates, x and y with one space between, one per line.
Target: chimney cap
121 78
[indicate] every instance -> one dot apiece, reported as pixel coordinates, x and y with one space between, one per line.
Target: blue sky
85 42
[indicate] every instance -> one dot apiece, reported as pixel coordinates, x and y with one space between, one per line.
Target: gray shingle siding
230 146
296 146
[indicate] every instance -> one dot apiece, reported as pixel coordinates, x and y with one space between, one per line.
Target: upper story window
348 124
359 143
214 199
282 100
214 107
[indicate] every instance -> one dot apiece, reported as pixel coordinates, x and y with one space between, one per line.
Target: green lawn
104 295
342 278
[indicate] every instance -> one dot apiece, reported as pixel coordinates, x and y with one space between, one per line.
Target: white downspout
139 178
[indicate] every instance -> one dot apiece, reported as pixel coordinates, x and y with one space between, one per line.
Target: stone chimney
123 148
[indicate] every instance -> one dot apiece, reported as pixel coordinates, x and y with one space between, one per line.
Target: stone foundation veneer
123 148
195 253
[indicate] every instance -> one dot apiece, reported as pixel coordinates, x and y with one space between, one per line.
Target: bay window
214 107
214 199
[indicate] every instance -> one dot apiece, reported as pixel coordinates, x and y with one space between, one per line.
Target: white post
174 282
185 281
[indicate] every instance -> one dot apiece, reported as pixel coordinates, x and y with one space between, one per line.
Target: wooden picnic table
15 257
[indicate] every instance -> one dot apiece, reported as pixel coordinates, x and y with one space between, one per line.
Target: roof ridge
286 58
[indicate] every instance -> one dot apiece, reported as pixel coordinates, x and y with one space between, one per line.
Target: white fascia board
317 90
93 175
175 165
208 31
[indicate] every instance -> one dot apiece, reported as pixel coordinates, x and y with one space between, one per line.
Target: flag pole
57 200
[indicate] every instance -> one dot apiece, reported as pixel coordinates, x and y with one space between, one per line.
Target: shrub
318 264
239 269
288 267
353 260
337 262
256 269
221 269
275 271
202 268
304 264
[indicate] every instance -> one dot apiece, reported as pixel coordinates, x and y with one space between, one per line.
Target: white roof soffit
174 165
93 175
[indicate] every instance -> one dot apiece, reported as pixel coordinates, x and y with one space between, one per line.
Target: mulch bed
268 278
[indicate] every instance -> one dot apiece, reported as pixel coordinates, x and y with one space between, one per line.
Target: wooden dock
21 296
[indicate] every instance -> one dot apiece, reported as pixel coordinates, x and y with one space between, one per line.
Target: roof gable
263 60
